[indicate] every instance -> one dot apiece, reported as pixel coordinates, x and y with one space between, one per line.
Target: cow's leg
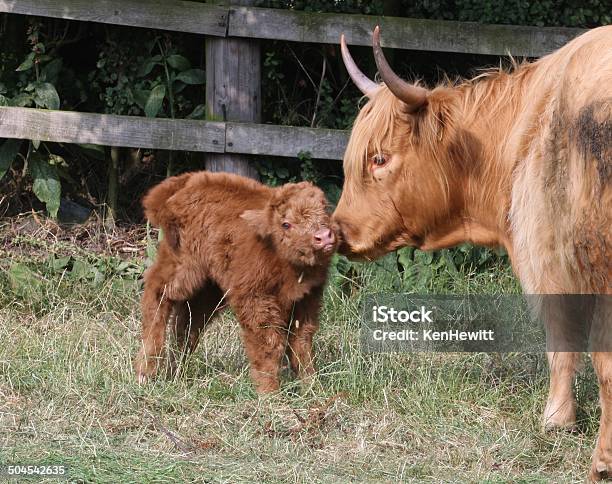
602 456
304 325
564 338
156 309
264 334
560 411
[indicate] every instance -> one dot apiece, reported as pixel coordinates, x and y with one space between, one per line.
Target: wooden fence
244 25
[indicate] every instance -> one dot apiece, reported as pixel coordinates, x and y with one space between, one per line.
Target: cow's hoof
602 465
559 416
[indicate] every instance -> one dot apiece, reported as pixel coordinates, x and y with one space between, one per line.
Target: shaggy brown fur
228 239
519 159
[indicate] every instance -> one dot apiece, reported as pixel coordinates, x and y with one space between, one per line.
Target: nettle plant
33 85
147 79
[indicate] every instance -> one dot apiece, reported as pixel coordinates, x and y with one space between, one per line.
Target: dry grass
68 395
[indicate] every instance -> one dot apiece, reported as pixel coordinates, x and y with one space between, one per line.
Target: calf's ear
257 220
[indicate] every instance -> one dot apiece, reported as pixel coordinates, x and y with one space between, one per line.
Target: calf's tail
156 208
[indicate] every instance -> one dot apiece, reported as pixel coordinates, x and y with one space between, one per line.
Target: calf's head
297 224
396 184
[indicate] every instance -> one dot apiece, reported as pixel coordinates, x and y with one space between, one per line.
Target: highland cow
229 240
516 159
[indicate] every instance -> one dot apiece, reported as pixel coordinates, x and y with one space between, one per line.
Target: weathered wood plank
402 33
167 134
111 130
272 140
175 15
233 92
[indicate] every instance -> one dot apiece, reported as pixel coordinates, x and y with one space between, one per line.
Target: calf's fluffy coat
228 239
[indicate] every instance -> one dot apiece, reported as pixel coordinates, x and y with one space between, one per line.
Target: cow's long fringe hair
429 131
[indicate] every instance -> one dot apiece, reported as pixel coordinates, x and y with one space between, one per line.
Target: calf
228 239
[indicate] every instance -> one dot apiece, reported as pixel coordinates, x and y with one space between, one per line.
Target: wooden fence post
233 92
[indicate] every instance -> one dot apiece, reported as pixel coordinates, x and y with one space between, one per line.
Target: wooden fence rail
249 23
171 134
297 26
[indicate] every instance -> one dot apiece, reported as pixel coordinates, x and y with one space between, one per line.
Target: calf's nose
324 238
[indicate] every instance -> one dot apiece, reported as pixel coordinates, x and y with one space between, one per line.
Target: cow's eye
286 225
379 160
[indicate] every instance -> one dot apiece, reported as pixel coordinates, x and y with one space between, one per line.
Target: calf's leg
304 326
156 308
193 315
264 334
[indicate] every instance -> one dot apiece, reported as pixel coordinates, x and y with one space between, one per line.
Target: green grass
68 395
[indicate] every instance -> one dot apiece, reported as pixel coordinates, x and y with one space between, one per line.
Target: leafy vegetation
566 13
53 64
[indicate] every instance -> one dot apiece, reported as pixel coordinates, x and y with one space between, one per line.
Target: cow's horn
413 96
363 82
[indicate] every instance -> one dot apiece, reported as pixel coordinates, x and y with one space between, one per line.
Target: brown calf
265 251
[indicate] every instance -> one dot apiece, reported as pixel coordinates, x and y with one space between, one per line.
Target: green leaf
36 144
57 160
95 151
46 187
178 62
58 264
146 67
3 101
192 76
81 270
24 281
46 96
154 103
178 87
450 263
424 258
8 152
27 64
141 96
404 256
199 112
21 100
51 70
282 172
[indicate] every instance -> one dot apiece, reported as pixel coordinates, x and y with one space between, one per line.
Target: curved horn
363 82
413 96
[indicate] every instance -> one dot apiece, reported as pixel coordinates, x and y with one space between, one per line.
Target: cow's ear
257 220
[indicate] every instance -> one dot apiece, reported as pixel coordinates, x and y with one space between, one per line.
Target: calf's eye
286 225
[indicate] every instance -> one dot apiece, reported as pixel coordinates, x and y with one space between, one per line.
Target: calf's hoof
145 368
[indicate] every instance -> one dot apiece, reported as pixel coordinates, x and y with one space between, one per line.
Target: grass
68 394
